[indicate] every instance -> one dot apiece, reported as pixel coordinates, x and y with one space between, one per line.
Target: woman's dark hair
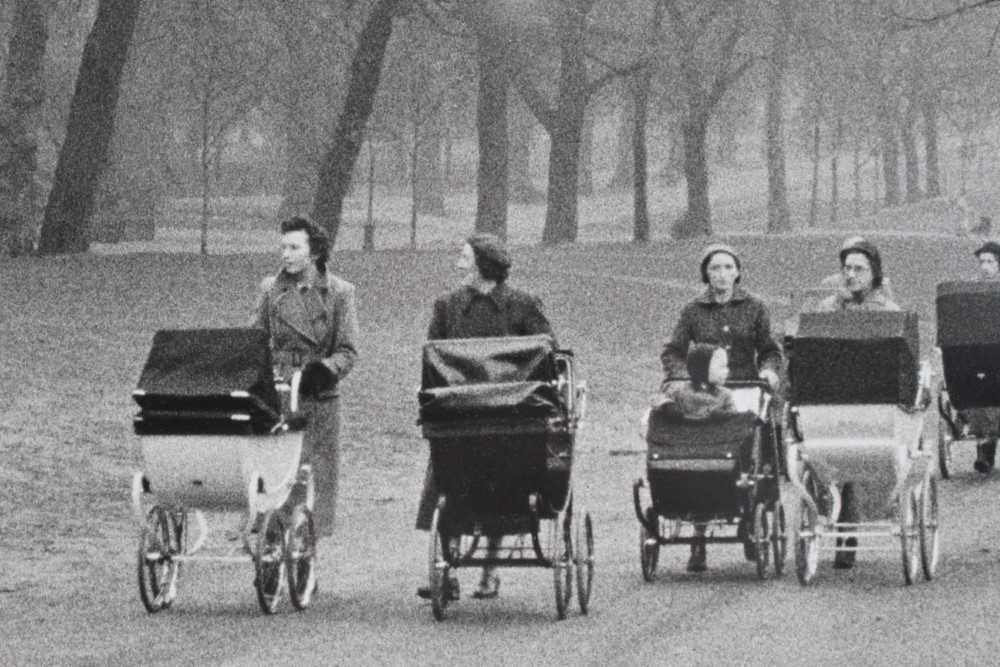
319 242
869 250
491 257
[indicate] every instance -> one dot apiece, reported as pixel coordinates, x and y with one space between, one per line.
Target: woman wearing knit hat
862 289
835 281
985 422
483 306
728 316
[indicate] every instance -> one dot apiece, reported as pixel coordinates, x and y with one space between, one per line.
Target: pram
968 337
218 434
856 415
501 416
722 472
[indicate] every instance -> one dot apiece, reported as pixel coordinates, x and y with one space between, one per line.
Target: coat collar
498 296
739 294
290 302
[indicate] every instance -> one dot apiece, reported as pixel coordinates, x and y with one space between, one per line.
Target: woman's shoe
985 454
699 558
844 559
489 587
451 590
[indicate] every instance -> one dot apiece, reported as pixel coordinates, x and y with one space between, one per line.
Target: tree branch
942 16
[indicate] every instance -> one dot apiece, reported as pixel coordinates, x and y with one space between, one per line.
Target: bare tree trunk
876 181
519 172
205 164
21 114
911 159
640 95
561 221
625 143
414 178
301 154
89 129
697 218
430 176
778 215
491 125
857 175
338 162
838 135
587 155
890 159
929 110
814 193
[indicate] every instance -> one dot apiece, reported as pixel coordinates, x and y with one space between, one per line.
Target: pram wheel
807 544
270 559
908 535
301 558
157 570
761 539
929 527
945 441
562 561
779 538
649 546
437 567
584 561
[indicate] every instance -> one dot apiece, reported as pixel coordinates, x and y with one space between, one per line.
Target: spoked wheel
908 535
807 545
749 545
301 558
270 559
649 546
929 527
562 561
761 539
779 538
437 568
945 441
584 561
157 569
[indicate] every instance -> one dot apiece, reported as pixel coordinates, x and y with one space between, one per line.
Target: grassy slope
74 333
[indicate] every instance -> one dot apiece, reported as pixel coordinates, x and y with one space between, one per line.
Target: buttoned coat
504 311
742 325
315 322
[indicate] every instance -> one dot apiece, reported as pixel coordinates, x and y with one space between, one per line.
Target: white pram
856 415
218 434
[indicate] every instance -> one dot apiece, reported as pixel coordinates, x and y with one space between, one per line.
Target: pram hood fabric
199 370
968 332
856 357
480 377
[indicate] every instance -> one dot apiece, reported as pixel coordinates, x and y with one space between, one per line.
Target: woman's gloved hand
316 379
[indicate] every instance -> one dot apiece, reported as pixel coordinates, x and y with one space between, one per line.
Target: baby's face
718 367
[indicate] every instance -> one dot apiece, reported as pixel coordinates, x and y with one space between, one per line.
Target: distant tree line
108 106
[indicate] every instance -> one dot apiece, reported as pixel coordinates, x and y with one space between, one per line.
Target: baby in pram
703 396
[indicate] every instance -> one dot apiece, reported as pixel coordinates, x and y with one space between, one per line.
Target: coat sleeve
674 355
768 352
535 321
344 352
438 328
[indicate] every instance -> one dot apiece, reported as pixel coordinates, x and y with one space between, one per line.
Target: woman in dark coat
484 306
727 316
310 316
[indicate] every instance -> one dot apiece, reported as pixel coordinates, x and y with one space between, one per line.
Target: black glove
316 380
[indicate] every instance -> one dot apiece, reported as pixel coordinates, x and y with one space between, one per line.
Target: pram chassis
765 539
